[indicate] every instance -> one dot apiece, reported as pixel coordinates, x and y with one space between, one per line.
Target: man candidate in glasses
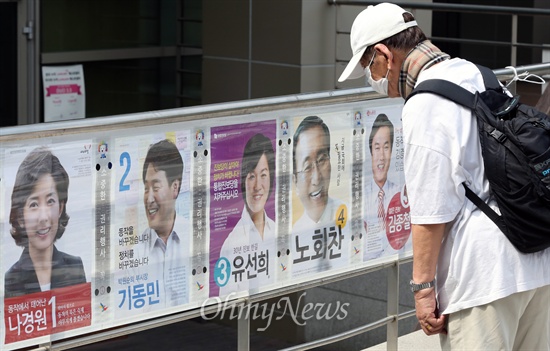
317 241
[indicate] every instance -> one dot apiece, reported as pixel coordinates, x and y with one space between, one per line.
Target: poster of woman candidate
47 239
386 221
321 177
242 207
151 222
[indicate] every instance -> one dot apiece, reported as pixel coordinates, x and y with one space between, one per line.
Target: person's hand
427 313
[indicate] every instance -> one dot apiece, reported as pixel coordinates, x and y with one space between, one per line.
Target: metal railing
243 337
514 12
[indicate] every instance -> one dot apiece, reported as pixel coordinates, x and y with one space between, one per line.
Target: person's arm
426 245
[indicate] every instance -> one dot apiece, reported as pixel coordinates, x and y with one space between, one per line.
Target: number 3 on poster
222 271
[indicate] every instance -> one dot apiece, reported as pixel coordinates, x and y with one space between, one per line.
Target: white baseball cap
371 26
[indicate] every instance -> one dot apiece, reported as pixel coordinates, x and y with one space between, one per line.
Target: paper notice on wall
64 96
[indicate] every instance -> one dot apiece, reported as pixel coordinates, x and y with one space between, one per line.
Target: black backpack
515 144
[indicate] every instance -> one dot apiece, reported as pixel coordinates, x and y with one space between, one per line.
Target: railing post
514 48
393 306
243 328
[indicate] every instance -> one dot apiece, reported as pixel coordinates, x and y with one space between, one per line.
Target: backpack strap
445 89
455 92
489 212
489 78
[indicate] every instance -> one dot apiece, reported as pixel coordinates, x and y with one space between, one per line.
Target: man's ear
176 188
383 50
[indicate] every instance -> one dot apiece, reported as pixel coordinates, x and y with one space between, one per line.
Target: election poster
322 160
386 208
151 222
47 243
64 93
242 207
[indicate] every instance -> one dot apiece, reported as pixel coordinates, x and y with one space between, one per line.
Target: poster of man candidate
321 178
151 222
243 189
47 239
386 208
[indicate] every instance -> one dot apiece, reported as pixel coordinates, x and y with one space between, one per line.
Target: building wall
254 48
244 49
272 48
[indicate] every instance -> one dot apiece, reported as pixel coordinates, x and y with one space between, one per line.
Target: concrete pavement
413 341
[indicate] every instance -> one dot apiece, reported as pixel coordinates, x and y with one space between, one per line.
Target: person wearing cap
470 284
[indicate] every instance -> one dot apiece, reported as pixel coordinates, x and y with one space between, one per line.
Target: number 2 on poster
125 156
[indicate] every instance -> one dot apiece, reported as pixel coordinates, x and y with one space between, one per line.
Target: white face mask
381 85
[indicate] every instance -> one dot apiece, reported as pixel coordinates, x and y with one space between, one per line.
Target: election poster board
47 239
64 93
243 234
175 216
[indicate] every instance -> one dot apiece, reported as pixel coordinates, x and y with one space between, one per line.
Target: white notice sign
64 96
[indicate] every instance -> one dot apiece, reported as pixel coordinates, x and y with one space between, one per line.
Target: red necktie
381 212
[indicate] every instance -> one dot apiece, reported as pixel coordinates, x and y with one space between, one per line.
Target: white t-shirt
477 263
257 255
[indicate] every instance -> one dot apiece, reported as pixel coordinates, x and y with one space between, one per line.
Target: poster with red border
47 249
386 207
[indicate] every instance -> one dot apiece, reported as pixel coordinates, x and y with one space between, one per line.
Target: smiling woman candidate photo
255 228
257 175
38 217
